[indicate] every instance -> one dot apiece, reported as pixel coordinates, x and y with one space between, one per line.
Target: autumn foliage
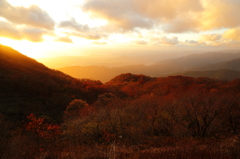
41 129
147 115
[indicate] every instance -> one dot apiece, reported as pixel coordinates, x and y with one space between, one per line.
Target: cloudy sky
43 28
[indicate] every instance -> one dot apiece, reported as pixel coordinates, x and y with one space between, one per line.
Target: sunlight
24 47
44 49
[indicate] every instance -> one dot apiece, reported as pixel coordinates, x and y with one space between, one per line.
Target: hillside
29 87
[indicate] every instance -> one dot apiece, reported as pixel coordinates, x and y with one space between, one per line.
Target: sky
48 28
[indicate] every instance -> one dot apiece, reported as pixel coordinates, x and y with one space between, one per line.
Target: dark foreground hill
29 87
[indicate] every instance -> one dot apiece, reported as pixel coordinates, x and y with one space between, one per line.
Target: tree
73 110
42 130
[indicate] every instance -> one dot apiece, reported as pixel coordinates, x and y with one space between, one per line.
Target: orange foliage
41 129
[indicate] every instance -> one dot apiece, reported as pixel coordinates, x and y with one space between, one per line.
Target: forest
46 114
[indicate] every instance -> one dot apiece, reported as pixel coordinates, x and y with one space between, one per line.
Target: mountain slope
29 87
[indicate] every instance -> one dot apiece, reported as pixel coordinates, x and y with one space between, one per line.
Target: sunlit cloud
210 37
167 40
120 14
141 42
128 15
99 43
192 43
232 34
9 30
72 24
220 14
33 16
64 39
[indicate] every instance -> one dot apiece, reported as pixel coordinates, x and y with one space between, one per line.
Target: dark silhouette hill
29 87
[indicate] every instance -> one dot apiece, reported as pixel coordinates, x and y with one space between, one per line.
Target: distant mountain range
222 74
231 65
225 63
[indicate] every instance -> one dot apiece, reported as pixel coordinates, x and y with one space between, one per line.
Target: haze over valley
104 69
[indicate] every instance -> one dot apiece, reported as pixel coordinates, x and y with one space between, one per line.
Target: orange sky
80 27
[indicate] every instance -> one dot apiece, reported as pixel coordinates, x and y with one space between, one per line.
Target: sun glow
45 49
22 46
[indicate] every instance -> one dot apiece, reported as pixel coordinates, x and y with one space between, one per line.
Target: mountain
30 87
158 69
222 74
194 61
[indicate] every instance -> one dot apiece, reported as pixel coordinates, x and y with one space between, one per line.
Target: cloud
9 30
83 31
86 35
181 24
128 15
166 10
99 43
172 16
120 14
64 39
141 42
168 41
192 43
33 34
33 16
232 34
210 37
220 14
72 24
